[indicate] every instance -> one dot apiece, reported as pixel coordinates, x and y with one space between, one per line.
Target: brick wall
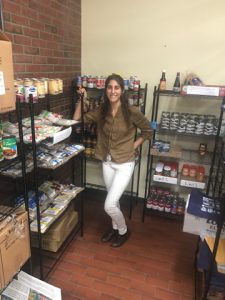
46 39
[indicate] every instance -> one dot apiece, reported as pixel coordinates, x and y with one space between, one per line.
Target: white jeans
116 177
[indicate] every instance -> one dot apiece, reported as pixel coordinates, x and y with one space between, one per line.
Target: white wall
144 37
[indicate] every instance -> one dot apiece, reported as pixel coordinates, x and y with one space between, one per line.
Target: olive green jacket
115 138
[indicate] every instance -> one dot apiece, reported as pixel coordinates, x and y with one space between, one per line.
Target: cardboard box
200 217
53 239
7 91
14 248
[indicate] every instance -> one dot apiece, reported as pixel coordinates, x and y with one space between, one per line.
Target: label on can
60 85
30 90
40 85
53 87
20 93
9 147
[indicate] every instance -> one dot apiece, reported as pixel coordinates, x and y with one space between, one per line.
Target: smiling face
113 91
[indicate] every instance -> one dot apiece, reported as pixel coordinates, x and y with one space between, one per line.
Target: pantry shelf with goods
14 225
58 182
205 216
53 174
181 151
94 85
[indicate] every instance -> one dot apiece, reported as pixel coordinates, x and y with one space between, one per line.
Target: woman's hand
83 92
137 145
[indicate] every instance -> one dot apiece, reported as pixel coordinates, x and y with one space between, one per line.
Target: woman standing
117 122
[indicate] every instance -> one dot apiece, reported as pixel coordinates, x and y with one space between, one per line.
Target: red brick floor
155 263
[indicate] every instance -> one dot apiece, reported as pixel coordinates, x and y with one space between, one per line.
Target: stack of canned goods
89 81
193 124
164 200
37 87
161 146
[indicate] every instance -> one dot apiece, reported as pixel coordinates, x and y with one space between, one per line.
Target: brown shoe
120 239
109 235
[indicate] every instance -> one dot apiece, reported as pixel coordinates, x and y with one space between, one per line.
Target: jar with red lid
200 173
181 206
173 171
193 171
168 204
185 170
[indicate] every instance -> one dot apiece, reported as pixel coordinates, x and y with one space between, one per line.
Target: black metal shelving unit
215 190
44 261
97 94
14 185
159 96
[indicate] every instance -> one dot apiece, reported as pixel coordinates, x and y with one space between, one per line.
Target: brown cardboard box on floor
58 232
14 248
7 91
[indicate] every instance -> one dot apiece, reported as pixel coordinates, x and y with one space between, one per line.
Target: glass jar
159 168
168 204
200 176
193 171
166 170
53 87
173 172
185 170
180 206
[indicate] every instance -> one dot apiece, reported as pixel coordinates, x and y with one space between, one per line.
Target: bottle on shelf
162 84
176 86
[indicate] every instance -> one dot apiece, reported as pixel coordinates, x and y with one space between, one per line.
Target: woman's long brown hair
105 109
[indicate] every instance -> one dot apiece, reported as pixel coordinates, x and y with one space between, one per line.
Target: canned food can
40 88
45 80
28 81
131 81
9 147
53 87
79 81
19 81
136 84
90 82
131 100
60 85
126 84
135 99
98 82
84 81
19 90
102 82
30 90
